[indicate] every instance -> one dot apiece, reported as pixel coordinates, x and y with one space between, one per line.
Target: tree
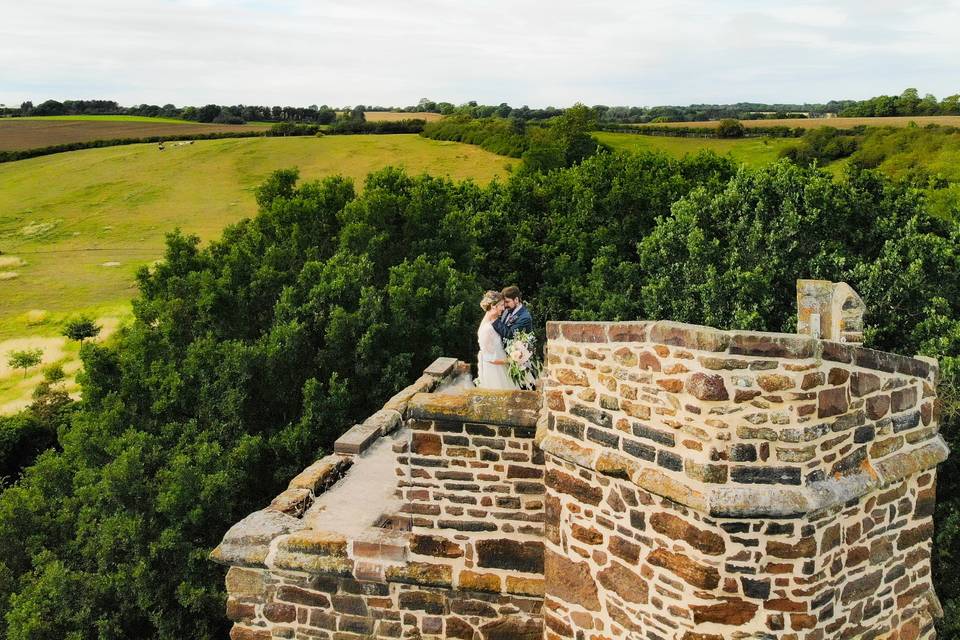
730 128
24 359
208 112
48 108
357 114
81 328
256 350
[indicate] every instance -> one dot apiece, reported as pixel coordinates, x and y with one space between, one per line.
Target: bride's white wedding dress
489 375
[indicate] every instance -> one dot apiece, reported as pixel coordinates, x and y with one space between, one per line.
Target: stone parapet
427 522
738 423
711 485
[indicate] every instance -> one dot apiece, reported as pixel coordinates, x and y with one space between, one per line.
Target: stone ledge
741 501
357 439
247 543
506 408
440 367
744 343
319 476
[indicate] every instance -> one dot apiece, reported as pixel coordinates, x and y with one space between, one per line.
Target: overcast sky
394 52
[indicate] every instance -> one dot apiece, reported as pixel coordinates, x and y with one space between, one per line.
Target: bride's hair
490 300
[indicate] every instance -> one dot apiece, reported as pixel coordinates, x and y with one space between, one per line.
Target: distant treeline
219 114
908 103
728 128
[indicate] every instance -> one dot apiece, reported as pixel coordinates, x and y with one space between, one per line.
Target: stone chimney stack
829 311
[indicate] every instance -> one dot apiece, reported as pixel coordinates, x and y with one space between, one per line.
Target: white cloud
519 51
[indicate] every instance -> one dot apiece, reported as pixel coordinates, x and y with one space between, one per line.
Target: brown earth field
16 135
839 123
392 116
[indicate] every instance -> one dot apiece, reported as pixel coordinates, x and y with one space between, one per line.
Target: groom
515 315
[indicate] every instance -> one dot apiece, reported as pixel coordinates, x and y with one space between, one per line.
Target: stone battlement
736 423
668 482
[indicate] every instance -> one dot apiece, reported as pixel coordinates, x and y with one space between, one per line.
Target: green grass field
749 151
75 227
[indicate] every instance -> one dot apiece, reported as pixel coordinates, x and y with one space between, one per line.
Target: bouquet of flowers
523 367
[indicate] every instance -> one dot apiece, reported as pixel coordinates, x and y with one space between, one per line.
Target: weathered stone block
296 595
247 542
582 491
772 382
677 528
571 581
625 582
594 415
436 546
510 555
732 612
425 444
590 332
772 345
832 402
689 336
421 573
512 628
707 387
692 572
765 475
357 439
245 582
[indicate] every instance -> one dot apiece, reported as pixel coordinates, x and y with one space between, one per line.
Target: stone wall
667 482
706 484
426 522
473 487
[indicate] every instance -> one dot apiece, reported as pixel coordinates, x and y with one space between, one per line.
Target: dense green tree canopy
249 356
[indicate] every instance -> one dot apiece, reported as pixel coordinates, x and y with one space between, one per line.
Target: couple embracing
507 352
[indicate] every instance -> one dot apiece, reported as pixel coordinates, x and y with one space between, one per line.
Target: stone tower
669 482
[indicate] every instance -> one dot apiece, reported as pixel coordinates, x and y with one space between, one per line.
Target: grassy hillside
750 151
74 227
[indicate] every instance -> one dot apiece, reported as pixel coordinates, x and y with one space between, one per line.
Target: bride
492 359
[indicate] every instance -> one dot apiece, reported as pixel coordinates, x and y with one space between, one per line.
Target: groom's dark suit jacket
509 323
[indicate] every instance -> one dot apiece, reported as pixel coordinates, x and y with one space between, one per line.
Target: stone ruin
669 482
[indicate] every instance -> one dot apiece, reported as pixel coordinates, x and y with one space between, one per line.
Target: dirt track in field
16 135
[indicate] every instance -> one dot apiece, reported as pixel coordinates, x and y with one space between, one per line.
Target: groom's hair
511 292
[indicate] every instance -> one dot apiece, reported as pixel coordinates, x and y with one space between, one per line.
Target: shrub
730 128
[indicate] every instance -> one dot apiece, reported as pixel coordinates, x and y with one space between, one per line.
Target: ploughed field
75 227
839 123
18 134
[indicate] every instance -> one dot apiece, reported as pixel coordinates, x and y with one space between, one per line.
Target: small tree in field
731 128
24 359
81 329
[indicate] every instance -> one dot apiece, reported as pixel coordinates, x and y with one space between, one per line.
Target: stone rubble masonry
667 482
462 557
718 485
